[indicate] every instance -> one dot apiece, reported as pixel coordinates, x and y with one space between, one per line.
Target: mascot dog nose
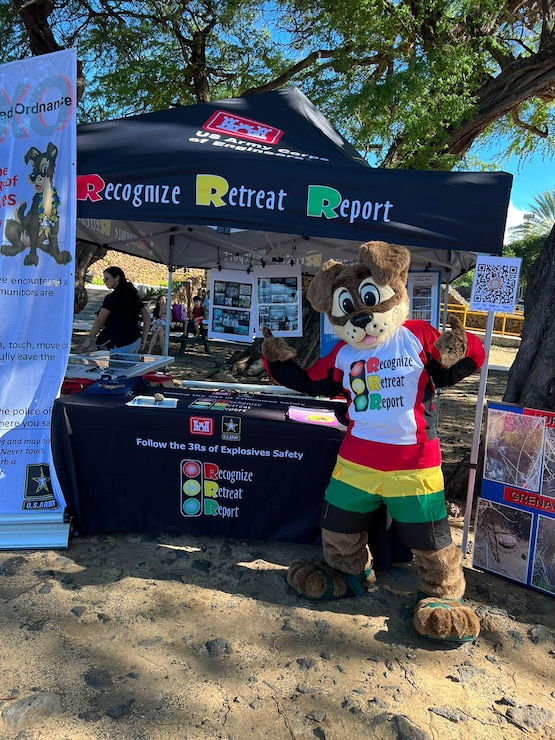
361 320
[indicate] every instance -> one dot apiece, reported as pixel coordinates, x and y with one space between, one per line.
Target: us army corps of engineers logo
231 428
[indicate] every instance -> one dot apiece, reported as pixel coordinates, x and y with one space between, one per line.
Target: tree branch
542 133
284 78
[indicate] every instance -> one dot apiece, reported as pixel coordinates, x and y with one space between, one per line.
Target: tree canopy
539 220
411 84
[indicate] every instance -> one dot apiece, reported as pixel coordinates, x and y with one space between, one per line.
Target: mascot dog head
367 302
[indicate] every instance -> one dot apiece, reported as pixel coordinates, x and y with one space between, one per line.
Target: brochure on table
515 513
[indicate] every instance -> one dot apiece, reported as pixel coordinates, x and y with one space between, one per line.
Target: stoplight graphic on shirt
357 381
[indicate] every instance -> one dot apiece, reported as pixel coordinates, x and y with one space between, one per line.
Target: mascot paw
445 620
319 581
276 349
452 344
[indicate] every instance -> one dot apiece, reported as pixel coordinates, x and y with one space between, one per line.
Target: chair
178 315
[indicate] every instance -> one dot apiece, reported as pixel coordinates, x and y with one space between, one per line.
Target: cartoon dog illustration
39 226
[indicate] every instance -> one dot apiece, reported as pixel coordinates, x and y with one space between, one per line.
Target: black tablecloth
221 464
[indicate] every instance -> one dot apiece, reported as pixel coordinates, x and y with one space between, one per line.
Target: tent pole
168 311
171 268
477 431
445 304
443 323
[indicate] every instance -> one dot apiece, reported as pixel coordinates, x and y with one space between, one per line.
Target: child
198 315
159 316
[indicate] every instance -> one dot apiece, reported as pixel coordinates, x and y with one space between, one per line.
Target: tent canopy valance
266 178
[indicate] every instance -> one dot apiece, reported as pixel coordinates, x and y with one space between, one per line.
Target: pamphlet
151 402
322 417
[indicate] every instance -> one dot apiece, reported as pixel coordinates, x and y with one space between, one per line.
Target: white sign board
495 284
231 306
279 300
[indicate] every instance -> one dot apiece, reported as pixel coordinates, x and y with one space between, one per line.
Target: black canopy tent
266 178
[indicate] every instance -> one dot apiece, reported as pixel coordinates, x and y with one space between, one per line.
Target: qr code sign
495 284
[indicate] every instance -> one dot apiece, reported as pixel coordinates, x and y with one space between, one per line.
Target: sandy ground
142 637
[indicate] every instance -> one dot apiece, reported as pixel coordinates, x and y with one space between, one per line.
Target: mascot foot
63 257
31 259
446 620
10 250
319 581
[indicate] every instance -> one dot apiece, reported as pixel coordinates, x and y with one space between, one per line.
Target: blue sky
530 179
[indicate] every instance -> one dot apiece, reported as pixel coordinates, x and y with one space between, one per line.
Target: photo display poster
515 512
241 304
423 290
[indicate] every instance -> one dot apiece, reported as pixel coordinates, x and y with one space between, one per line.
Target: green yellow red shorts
415 500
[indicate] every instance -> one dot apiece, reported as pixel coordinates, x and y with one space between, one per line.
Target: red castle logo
201 425
224 122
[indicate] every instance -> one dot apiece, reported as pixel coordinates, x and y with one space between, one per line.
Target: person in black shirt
119 316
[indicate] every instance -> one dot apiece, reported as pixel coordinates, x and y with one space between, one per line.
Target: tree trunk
85 255
531 380
307 346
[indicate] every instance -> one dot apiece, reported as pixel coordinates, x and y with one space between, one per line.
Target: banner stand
37 279
28 532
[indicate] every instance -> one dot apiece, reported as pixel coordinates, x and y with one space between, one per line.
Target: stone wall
187 282
143 272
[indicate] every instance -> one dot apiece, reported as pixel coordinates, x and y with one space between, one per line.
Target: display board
278 300
495 284
423 290
95 365
242 303
515 512
232 300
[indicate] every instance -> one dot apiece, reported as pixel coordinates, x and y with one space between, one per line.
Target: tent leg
168 312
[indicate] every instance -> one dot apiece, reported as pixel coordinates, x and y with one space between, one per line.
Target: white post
168 312
477 431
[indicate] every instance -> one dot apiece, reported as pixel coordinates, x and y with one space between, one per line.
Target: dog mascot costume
388 368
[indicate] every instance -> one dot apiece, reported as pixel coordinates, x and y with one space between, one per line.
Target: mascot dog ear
319 292
387 262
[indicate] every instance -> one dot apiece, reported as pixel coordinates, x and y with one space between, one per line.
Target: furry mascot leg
347 570
439 612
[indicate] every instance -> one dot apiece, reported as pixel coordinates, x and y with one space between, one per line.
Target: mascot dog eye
344 304
388 369
369 293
